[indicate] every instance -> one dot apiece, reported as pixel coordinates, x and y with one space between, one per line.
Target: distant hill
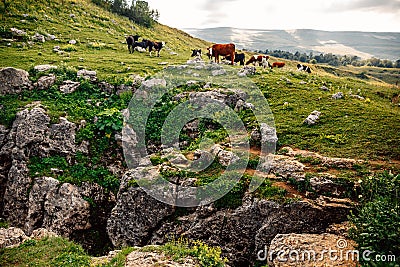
384 45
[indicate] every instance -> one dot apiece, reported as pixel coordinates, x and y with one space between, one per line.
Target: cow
278 64
196 53
130 40
139 46
260 59
301 67
156 45
238 58
217 50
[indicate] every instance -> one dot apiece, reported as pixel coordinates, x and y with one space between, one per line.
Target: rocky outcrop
150 259
251 227
13 237
310 250
340 163
312 118
69 87
23 199
135 217
45 67
13 81
57 207
45 82
87 74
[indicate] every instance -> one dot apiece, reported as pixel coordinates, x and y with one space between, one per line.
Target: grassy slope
91 24
348 127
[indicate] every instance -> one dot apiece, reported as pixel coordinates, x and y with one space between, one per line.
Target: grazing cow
130 40
238 58
139 46
196 53
222 50
278 64
260 59
301 67
156 45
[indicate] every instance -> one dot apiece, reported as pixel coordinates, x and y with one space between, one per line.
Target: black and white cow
139 46
130 40
196 53
238 58
305 68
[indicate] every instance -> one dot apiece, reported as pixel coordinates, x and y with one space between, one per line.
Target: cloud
215 10
382 6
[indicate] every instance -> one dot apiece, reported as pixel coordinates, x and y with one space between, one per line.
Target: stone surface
11 237
224 157
62 137
13 81
246 71
312 118
338 95
45 82
311 250
135 217
38 38
43 68
57 207
87 74
69 87
152 259
243 231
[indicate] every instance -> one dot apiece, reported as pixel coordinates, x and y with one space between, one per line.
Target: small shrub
110 121
376 225
69 48
207 256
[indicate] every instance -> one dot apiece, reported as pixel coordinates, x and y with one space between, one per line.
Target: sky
329 15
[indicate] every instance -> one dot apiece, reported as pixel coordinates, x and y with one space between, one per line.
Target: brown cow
222 50
278 64
260 59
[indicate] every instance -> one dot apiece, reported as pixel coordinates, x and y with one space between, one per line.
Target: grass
55 251
100 38
58 251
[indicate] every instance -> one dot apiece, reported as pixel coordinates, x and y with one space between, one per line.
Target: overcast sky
332 15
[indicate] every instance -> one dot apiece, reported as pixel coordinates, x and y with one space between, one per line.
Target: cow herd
134 44
227 51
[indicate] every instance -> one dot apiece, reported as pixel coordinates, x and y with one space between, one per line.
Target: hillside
363 44
81 139
100 37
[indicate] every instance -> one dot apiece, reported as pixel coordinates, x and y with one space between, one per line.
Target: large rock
69 87
11 237
57 207
150 259
312 118
310 250
135 217
251 227
15 199
87 74
62 137
13 81
45 82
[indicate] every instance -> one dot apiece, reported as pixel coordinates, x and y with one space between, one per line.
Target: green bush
110 121
376 224
207 256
